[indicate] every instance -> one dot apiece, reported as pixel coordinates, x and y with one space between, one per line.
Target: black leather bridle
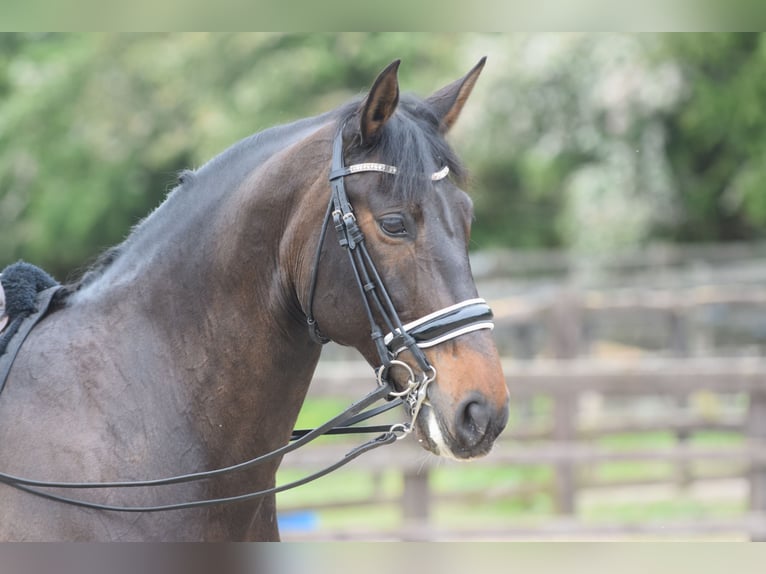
435 328
432 329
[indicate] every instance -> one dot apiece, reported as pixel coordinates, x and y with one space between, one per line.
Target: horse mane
410 140
93 272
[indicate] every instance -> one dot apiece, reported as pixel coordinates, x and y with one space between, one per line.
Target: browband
382 168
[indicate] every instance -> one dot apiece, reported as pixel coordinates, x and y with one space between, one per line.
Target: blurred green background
587 142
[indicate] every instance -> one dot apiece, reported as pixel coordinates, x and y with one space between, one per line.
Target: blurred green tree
573 152
717 136
614 140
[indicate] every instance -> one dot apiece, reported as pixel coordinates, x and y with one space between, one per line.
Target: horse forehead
380 189
451 205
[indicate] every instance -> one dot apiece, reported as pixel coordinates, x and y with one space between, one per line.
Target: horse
191 345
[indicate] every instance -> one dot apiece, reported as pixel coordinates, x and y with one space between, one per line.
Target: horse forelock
412 142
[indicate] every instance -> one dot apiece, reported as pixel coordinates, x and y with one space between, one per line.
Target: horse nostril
473 418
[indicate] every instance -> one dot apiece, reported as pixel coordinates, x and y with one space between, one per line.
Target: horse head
411 284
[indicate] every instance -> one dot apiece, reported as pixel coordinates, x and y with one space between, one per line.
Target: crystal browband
382 168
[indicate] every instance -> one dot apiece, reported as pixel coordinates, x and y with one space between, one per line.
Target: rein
349 416
433 329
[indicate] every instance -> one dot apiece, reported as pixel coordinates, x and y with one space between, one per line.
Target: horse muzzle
459 412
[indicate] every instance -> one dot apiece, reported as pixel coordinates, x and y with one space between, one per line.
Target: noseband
435 328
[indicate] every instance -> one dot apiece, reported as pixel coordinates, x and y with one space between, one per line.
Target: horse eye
393 225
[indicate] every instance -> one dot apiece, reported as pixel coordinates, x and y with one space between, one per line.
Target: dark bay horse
186 347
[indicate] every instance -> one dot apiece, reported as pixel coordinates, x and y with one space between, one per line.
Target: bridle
435 328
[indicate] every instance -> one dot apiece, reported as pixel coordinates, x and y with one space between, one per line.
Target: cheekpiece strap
350 237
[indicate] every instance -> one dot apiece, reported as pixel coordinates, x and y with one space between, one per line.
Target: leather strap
386 438
350 416
351 239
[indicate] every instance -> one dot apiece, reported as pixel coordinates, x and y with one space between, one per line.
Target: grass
317 411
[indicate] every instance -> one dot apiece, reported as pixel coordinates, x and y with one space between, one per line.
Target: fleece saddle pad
26 293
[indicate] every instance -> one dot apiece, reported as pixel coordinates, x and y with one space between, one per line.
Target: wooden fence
564 370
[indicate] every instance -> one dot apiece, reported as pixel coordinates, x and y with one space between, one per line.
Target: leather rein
434 328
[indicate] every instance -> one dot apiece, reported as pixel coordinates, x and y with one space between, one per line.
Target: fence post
679 345
565 328
564 432
525 351
416 502
756 432
565 325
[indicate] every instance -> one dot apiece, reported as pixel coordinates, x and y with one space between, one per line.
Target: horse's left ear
380 103
449 101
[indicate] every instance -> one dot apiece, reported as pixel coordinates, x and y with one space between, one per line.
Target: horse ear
449 101
380 103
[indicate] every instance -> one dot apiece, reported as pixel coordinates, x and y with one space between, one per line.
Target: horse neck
215 286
